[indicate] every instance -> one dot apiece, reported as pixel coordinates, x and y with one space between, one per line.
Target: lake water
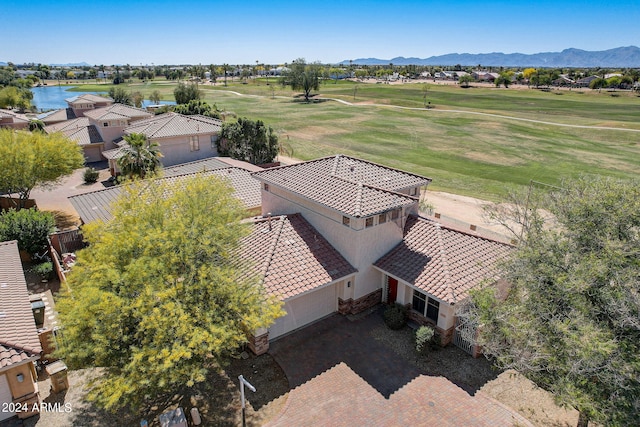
47 98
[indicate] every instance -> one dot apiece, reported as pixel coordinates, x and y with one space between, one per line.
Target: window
419 301
382 218
368 222
266 187
105 124
413 191
346 220
428 307
214 138
194 143
395 214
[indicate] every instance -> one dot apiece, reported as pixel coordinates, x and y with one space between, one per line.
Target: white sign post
243 383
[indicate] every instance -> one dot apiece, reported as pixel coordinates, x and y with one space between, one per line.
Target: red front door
392 293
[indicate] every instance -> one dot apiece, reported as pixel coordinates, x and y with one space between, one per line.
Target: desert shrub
424 338
90 175
395 316
44 270
29 227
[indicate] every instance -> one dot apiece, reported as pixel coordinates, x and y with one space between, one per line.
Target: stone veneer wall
351 306
260 344
446 336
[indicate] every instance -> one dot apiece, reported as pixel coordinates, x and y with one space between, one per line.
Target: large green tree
248 140
303 76
35 159
121 96
155 298
29 227
184 93
196 106
141 158
571 319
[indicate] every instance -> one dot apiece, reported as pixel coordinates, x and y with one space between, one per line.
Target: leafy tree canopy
184 93
196 106
253 142
571 320
121 96
28 226
303 76
29 160
155 298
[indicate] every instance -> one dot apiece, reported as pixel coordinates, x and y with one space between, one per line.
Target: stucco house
180 138
341 234
86 102
84 133
111 121
57 116
19 342
12 120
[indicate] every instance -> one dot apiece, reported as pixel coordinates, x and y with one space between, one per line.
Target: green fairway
462 151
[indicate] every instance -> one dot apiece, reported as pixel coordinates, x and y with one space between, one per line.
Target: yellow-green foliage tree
158 298
29 160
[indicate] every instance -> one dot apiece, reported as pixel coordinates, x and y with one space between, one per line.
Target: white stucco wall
359 245
178 150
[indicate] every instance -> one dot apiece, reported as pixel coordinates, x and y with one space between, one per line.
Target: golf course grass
476 141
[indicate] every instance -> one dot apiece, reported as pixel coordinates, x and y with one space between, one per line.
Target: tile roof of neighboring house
16 117
18 335
441 261
290 257
97 205
171 124
79 130
207 164
117 111
57 116
115 153
88 97
349 185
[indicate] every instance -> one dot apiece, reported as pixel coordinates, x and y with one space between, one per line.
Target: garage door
305 309
5 397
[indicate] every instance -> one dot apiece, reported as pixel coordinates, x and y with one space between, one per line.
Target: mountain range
625 57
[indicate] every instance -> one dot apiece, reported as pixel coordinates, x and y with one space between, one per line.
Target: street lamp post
243 383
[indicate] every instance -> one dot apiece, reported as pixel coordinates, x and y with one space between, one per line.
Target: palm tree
141 158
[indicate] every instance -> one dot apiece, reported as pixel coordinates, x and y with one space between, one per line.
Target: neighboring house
563 80
9 119
586 81
111 121
57 116
84 133
180 138
97 205
83 103
19 342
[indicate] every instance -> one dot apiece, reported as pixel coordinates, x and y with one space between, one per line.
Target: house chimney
269 219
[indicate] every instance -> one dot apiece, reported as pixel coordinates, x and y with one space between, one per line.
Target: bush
29 227
90 175
395 316
424 338
44 270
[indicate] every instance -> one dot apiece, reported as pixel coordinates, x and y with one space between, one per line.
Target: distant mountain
3 64
628 56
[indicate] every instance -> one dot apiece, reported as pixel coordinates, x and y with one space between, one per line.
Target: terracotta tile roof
115 153
290 257
171 124
79 130
18 335
351 186
97 205
88 97
57 116
117 111
441 261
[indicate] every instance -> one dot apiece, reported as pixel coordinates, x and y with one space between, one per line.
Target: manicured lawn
464 153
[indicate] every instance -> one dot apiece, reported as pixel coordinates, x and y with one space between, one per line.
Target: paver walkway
341 376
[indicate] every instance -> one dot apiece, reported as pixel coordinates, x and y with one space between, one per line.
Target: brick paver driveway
341 376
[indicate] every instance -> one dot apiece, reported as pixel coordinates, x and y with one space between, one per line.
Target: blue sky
275 32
